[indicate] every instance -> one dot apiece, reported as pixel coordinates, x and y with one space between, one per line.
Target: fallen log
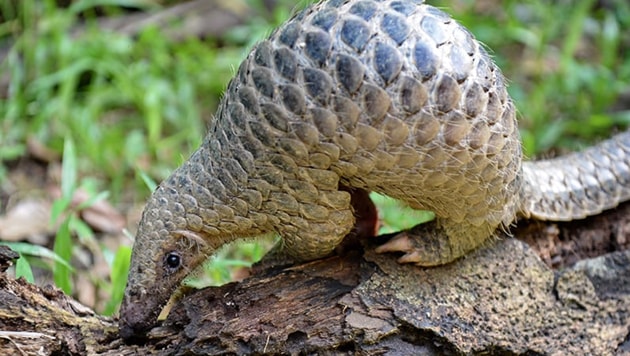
501 299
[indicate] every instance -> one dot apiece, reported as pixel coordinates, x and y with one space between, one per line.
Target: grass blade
25 248
68 169
63 248
120 269
23 269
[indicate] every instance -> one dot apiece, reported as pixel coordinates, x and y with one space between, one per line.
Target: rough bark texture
502 299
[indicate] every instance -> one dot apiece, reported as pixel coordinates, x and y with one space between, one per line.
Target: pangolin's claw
399 243
425 245
411 257
405 243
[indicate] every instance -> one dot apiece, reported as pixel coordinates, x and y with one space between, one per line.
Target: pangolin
348 96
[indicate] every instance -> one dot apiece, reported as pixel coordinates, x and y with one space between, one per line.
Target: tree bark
502 299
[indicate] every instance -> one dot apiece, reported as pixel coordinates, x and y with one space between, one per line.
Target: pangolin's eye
172 261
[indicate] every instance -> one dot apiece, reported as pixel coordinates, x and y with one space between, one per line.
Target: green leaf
11 152
25 248
63 248
395 216
68 169
59 207
23 269
81 229
83 5
150 183
120 270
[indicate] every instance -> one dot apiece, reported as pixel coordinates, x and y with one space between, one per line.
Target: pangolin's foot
424 245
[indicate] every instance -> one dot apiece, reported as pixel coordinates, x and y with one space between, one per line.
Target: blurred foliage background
100 99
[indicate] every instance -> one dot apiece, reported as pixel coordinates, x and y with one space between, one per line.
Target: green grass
124 111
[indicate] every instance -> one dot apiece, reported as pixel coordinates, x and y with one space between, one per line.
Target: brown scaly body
390 96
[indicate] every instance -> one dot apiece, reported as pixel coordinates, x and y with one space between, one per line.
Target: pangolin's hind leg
437 242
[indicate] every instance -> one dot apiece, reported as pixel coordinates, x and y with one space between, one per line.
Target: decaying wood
501 299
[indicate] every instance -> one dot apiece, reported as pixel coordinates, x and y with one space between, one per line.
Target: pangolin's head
172 240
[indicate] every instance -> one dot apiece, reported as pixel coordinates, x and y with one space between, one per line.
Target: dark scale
290 34
318 84
404 7
355 33
325 19
387 61
395 26
264 81
286 63
364 9
317 46
349 72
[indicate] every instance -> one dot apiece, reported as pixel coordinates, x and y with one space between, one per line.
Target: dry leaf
28 221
